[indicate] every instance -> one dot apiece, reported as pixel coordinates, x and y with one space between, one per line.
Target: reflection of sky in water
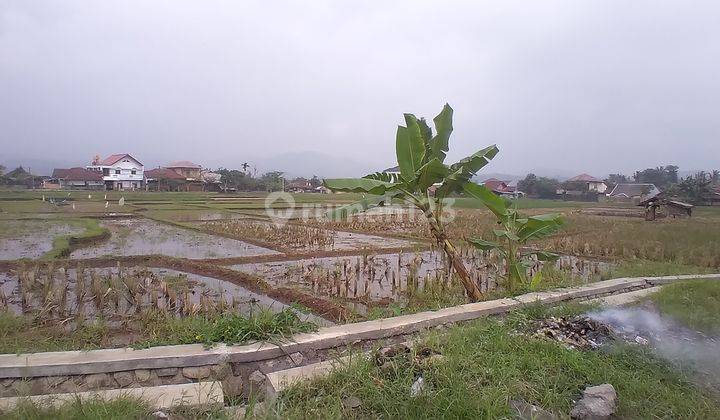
31 238
340 240
246 300
386 275
145 237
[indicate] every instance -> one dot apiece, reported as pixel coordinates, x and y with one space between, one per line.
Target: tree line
246 180
693 189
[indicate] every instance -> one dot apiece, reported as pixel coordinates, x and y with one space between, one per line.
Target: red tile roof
162 173
113 159
496 185
584 178
77 174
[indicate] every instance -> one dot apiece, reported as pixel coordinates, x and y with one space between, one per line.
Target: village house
164 179
588 183
119 171
503 188
633 192
75 179
211 179
190 171
20 177
299 185
582 187
182 176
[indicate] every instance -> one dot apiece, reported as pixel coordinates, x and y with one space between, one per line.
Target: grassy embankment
119 409
695 303
20 334
486 364
63 245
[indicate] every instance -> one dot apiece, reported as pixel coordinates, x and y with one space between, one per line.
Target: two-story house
190 171
120 171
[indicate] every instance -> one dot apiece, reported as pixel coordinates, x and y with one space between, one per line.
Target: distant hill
308 163
502 177
36 166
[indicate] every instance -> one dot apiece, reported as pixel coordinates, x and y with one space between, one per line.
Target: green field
485 363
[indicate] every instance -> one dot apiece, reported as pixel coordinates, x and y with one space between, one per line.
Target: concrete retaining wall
76 371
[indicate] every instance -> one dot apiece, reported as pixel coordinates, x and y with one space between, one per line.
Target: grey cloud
595 86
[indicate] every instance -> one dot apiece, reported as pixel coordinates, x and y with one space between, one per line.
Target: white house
593 184
120 171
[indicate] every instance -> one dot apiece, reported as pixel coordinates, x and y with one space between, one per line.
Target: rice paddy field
78 260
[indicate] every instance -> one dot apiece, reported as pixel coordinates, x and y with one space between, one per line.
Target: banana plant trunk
457 263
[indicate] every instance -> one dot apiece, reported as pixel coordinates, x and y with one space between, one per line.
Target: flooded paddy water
146 237
302 238
117 293
31 238
194 215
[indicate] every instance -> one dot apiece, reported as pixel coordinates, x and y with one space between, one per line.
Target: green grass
26 206
642 268
526 203
117 409
62 245
161 330
695 303
122 408
20 334
435 297
487 363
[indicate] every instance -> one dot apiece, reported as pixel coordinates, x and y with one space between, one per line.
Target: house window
106 171
133 171
117 171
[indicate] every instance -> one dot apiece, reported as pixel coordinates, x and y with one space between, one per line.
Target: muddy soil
30 238
146 237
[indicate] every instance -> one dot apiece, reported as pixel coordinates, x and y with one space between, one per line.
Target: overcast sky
587 86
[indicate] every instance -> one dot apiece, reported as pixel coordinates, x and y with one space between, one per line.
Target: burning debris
579 332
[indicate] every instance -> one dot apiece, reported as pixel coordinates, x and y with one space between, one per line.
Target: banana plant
421 157
514 234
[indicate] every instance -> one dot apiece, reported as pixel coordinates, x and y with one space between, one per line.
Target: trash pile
401 353
579 332
400 357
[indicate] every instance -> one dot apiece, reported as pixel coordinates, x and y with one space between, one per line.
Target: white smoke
691 351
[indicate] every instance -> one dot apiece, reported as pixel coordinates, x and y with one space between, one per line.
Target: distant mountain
309 163
502 177
37 166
